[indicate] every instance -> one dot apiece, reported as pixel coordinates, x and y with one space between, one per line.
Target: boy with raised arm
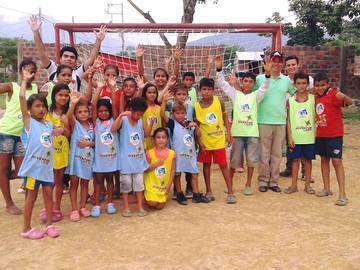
244 128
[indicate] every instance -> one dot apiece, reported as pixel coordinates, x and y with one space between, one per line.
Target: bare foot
14 210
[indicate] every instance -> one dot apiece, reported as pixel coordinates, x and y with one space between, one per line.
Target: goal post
243 46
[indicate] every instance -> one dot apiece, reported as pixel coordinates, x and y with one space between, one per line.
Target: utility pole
113 9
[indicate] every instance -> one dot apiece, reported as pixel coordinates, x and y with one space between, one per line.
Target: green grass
352 114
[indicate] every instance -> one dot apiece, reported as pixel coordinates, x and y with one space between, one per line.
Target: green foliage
8 51
337 18
351 114
129 52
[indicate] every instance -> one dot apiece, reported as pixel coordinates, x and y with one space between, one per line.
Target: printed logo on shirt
160 172
211 118
45 139
85 138
245 107
188 140
150 119
320 108
135 138
106 138
303 113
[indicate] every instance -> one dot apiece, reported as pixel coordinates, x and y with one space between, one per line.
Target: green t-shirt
272 109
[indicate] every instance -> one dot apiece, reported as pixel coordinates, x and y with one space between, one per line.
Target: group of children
141 138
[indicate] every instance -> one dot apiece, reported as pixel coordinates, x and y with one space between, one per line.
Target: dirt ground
263 231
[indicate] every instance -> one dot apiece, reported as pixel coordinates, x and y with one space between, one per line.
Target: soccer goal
243 46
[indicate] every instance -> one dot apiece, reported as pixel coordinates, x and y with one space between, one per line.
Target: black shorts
329 147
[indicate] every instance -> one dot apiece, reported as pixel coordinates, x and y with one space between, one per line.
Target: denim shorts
10 144
250 145
129 182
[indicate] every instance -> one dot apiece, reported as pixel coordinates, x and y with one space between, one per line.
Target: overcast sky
162 11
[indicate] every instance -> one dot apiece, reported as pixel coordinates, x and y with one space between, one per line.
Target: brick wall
337 62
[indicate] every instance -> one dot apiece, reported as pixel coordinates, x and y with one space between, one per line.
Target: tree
188 17
317 17
8 51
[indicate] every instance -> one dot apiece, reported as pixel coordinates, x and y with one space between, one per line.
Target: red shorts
218 156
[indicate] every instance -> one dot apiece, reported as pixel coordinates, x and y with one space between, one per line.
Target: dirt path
263 231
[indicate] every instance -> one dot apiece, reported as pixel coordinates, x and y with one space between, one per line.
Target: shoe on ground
285 173
74 215
275 189
248 191
110 208
200 198
57 216
95 211
231 199
174 197
210 196
342 201
181 199
84 212
116 195
263 188
188 194
324 193
51 231
21 190
33 234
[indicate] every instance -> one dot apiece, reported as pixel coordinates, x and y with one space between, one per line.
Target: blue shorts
329 147
306 151
250 145
10 144
33 184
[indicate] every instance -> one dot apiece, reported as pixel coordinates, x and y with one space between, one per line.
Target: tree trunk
188 17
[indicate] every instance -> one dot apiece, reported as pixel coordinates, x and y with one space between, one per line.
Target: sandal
342 201
110 208
51 231
142 213
57 216
290 190
126 213
309 190
33 234
74 215
95 211
324 193
84 212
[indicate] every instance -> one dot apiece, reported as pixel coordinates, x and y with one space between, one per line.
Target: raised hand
218 62
267 65
75 96
177 53
34 23
100 83
27 74
102 33
140 82
140 50
97 63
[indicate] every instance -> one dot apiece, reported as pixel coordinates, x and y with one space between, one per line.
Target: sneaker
188 194
324 193
181 199
210 196
174 196
285 173
248 191
231 199
21 190
200 198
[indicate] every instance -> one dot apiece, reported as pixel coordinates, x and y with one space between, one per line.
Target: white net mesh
241 51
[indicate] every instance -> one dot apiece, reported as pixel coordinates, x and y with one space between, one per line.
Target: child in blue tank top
81 154
37 166
132 153
106 148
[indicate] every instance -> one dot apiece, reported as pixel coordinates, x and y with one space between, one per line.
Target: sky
162 11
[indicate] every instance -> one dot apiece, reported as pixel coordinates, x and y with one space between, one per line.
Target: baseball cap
276 54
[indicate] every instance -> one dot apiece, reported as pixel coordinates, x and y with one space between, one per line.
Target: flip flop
33 234
126 213
142 213
309 190
342 201
290 190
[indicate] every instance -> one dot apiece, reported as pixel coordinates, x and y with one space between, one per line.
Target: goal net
242 46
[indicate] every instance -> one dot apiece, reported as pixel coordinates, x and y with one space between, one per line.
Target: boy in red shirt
329 133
